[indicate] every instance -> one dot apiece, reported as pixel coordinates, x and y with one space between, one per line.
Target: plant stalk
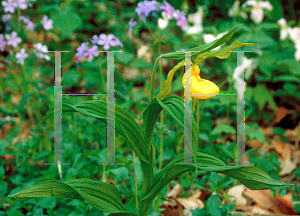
136 185
103 173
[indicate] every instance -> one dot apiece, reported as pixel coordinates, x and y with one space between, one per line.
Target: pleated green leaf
166 85
173 105
251 176
222 53
100 195
203 48
124 122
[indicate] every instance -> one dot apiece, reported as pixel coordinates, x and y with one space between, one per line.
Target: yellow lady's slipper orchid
201 86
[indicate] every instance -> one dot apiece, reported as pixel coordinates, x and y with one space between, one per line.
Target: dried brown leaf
237 192
285 204
171 210
264 199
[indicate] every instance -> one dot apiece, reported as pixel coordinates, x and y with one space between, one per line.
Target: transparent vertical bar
187 110
58 112
110 126
188 132
240 116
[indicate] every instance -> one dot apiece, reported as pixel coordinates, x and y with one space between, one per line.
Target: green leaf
47 202
223 128
101 195
137 171
290 88
213 205
14 212
173 105
277 11
166 85
251 176
290 64
120 172
255 134
262 96
3 188
222 53
66 22
203 48
286 78
2 173
180 55
124 122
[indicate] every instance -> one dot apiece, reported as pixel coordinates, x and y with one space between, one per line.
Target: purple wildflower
94 39
6 17
40 49
47 23
22 4
91 52
9 6
2 42
81 51
131 24
30 25
117 42
168 9
12 39
181 20
25 19
107 41
21 56
144 8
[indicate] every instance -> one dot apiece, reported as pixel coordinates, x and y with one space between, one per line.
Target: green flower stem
222 83
199 114
153 79
199 104
136 185
103 173
154 154
161 148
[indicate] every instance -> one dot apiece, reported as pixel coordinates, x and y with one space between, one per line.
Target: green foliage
223 129
251 176
100 195
25 96
262 96
204 53
105 197
67 22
